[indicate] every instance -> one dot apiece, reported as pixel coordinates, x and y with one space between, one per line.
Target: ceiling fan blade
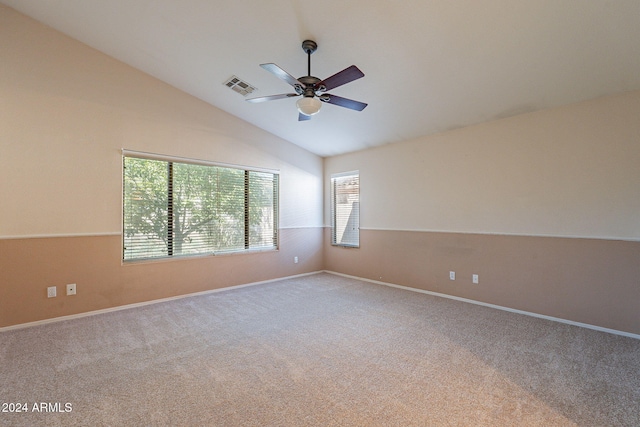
343 102
282 74
343 77
303 117
271 98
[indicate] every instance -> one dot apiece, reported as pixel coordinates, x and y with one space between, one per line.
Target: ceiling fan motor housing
310 86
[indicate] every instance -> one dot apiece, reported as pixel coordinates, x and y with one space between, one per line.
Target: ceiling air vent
242 87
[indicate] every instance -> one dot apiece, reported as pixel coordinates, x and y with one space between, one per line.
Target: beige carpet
320 350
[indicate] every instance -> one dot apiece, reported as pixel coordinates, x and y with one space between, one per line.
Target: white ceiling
429 65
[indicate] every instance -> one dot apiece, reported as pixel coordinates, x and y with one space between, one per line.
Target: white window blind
173 208
345 209
262 209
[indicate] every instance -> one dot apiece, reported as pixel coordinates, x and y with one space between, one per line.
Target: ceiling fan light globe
308 106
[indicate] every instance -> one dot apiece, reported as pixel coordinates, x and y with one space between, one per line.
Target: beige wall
590 281
93 263
570 171
66 113
545 207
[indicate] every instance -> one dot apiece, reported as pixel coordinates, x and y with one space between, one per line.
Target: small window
176 208
345 209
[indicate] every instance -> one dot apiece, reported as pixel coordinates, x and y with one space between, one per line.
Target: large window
177 208
345 209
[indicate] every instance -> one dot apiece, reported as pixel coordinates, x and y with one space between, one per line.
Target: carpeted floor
319 350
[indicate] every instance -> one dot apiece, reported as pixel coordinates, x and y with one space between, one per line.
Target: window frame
169 224
334 211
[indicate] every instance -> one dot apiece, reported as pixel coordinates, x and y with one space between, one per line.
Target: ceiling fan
312 89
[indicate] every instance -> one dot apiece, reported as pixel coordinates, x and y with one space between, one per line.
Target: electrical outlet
452 275
51 292
295 259
474 279
71 289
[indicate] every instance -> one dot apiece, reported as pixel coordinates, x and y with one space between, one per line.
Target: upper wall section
67 111
572 171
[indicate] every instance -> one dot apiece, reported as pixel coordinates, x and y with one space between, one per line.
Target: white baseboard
407 288
498 307
142 304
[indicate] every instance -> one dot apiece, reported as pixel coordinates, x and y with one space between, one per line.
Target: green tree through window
176 209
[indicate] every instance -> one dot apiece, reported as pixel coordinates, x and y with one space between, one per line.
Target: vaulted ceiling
429 65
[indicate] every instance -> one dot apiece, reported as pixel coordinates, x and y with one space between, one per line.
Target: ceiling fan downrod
309 46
